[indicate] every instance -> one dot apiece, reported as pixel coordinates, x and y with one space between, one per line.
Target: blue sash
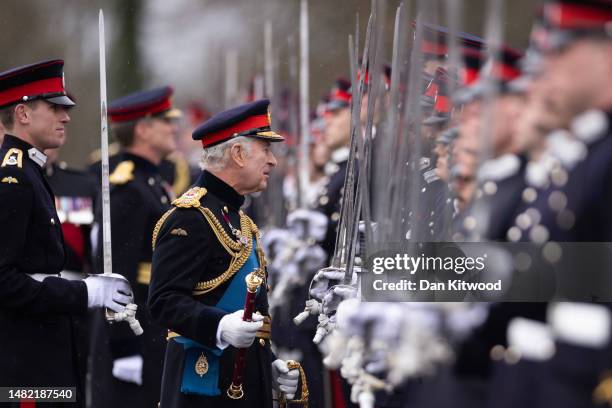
232 300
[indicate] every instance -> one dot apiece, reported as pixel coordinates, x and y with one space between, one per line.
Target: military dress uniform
36 311
174 169
138 197
203 249
502 182
330 198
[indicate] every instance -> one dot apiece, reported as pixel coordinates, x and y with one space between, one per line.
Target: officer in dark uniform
203 249
573 205
337 138
127 369
37 302
75 195
434 191
174 169
502 176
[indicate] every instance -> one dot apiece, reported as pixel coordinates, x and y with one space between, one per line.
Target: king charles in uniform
203 249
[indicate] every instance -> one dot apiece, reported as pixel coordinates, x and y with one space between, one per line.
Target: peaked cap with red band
564 21
42 80
251 119
340 95
473 60
142 104
503 72
435 40
386 75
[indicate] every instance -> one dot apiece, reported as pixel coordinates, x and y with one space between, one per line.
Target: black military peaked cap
151 103
435 40
564 21
252 119
340 95
502 72
42 80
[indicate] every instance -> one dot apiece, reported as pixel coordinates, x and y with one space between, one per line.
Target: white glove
286 381
111 291
128 369
235 331
335 295
315 221
312 258
323 279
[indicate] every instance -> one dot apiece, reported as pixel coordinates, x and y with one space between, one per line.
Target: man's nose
272 160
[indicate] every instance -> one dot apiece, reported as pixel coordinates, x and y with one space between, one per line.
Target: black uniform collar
141 163
220 189
13 141
34 154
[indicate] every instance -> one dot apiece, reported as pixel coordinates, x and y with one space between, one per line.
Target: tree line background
185 43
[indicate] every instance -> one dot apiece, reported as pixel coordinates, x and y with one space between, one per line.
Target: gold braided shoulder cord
239 253
260 253
158 226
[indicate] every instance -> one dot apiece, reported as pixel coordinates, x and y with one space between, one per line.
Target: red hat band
340 95
43 86
131 114
576 16
428 47
252 122
505 72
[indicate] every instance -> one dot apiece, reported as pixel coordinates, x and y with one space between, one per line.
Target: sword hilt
283 402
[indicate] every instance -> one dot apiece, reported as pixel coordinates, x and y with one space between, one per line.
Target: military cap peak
41 80
252 119
155 102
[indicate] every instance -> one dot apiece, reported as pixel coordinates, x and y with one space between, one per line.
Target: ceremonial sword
129 314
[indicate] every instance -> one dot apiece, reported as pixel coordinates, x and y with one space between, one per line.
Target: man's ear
22 114
140 130
237 154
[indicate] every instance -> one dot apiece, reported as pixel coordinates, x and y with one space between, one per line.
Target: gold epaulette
182 177
239 252
14 157
123 173
190 198
96 155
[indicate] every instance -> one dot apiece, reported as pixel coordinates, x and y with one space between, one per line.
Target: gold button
52 221
262 342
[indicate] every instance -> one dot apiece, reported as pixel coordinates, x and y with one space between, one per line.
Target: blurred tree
126 72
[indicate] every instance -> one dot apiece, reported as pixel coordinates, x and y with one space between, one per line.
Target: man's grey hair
215 157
